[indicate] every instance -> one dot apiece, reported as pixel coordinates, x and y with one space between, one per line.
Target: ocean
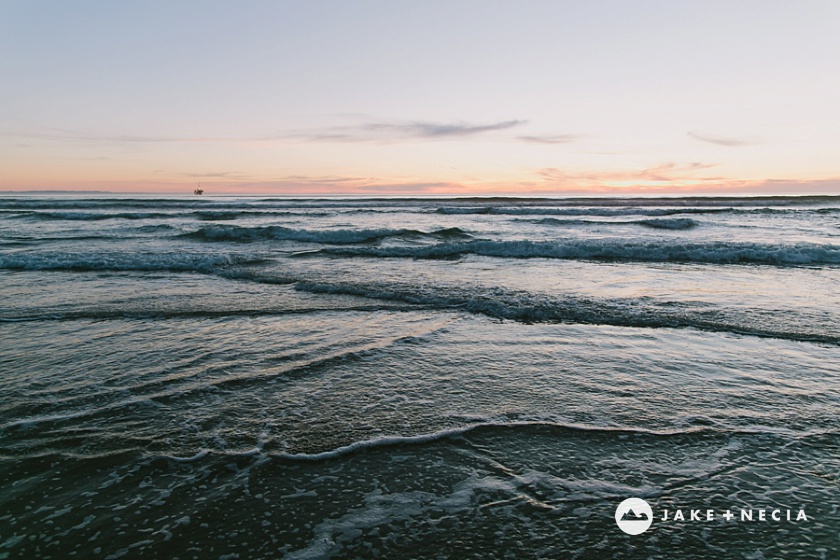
267 377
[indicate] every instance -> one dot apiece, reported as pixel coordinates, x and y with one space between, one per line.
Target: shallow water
212 377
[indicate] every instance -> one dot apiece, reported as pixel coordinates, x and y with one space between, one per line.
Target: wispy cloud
369 131
669 175
693 177
550 139
721 141
382 131
442 130
549 182
208 175
665 173
331 185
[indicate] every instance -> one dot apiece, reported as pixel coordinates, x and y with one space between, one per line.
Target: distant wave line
717 252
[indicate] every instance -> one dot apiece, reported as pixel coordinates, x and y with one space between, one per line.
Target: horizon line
489 196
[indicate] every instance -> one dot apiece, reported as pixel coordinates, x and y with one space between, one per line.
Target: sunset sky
425 97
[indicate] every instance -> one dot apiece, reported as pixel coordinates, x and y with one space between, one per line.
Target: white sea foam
197 457
417 439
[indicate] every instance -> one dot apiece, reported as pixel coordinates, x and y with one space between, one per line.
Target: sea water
214 377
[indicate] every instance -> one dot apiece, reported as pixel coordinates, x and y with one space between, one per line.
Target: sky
425 97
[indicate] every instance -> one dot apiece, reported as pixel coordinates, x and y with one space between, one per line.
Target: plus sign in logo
633 516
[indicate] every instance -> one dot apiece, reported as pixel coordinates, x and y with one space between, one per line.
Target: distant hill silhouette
631 515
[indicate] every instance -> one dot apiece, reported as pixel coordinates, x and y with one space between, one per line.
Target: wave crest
335 236
655 223
149 262
717 252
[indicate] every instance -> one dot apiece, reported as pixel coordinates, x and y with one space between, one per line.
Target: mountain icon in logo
633 516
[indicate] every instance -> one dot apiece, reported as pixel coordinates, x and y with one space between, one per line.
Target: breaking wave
220 215
93 216
655 223
664 223
117 261
336 236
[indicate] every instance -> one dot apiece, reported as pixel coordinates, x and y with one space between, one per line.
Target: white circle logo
633 516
